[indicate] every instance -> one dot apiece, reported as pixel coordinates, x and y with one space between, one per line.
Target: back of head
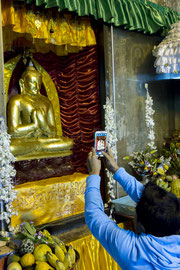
158 211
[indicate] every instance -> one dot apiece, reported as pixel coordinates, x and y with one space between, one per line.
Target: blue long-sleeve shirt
131 251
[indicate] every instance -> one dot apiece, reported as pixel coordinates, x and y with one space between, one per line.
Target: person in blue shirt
158 211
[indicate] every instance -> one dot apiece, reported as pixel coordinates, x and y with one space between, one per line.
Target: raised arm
129 183
118 242
16 127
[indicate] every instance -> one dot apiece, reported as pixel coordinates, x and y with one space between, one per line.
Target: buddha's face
32 84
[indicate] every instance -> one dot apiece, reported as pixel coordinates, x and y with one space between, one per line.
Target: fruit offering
40 251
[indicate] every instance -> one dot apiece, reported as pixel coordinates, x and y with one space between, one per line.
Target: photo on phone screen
100 142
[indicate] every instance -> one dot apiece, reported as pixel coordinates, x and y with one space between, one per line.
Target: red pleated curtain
77 81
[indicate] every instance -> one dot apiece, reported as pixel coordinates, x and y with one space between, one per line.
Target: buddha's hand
47 130
51 133
41 115
42 120
35 119
109 161
37 131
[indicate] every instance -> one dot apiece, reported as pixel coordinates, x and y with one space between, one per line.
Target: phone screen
100 142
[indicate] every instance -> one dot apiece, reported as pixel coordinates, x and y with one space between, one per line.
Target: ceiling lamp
167 53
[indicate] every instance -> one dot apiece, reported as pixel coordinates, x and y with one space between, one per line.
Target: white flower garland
149 119
7 192
110 127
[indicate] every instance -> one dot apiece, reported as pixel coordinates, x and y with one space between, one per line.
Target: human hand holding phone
93 163
110 161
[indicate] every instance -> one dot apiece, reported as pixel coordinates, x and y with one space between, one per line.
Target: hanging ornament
167 53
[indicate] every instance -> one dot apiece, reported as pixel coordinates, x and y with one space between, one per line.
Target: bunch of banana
62 259
59 253
67 261
72 254
163 184
52 258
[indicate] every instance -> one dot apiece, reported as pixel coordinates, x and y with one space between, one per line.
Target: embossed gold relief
50 199
31 121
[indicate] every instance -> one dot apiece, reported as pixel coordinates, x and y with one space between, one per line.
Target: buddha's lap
20 145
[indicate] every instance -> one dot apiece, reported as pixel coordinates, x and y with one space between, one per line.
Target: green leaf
172 146
2 238
30 229
27 235
153 151
18 236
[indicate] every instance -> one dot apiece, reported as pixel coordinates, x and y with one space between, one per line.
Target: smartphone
100 142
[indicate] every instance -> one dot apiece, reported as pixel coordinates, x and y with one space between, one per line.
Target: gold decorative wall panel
22 28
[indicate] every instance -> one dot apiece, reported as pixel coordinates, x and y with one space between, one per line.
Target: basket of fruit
39 251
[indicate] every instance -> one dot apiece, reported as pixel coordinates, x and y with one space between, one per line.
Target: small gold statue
31 122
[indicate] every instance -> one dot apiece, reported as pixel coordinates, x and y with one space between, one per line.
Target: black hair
158 211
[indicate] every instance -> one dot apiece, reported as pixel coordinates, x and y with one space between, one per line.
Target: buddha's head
30 82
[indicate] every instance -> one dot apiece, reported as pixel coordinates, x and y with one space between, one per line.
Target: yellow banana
59 253
72 254
161 183
169 178
67 261
157 181
165 185
62 246
52 258
60 266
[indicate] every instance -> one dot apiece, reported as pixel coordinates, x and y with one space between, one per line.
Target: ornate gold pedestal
50 199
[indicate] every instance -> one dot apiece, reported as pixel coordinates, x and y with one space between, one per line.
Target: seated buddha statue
31 122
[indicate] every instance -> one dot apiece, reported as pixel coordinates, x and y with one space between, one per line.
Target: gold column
2 92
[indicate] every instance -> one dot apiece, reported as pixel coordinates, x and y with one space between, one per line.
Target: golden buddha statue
31 122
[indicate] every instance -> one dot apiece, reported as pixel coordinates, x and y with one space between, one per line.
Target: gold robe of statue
31 122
